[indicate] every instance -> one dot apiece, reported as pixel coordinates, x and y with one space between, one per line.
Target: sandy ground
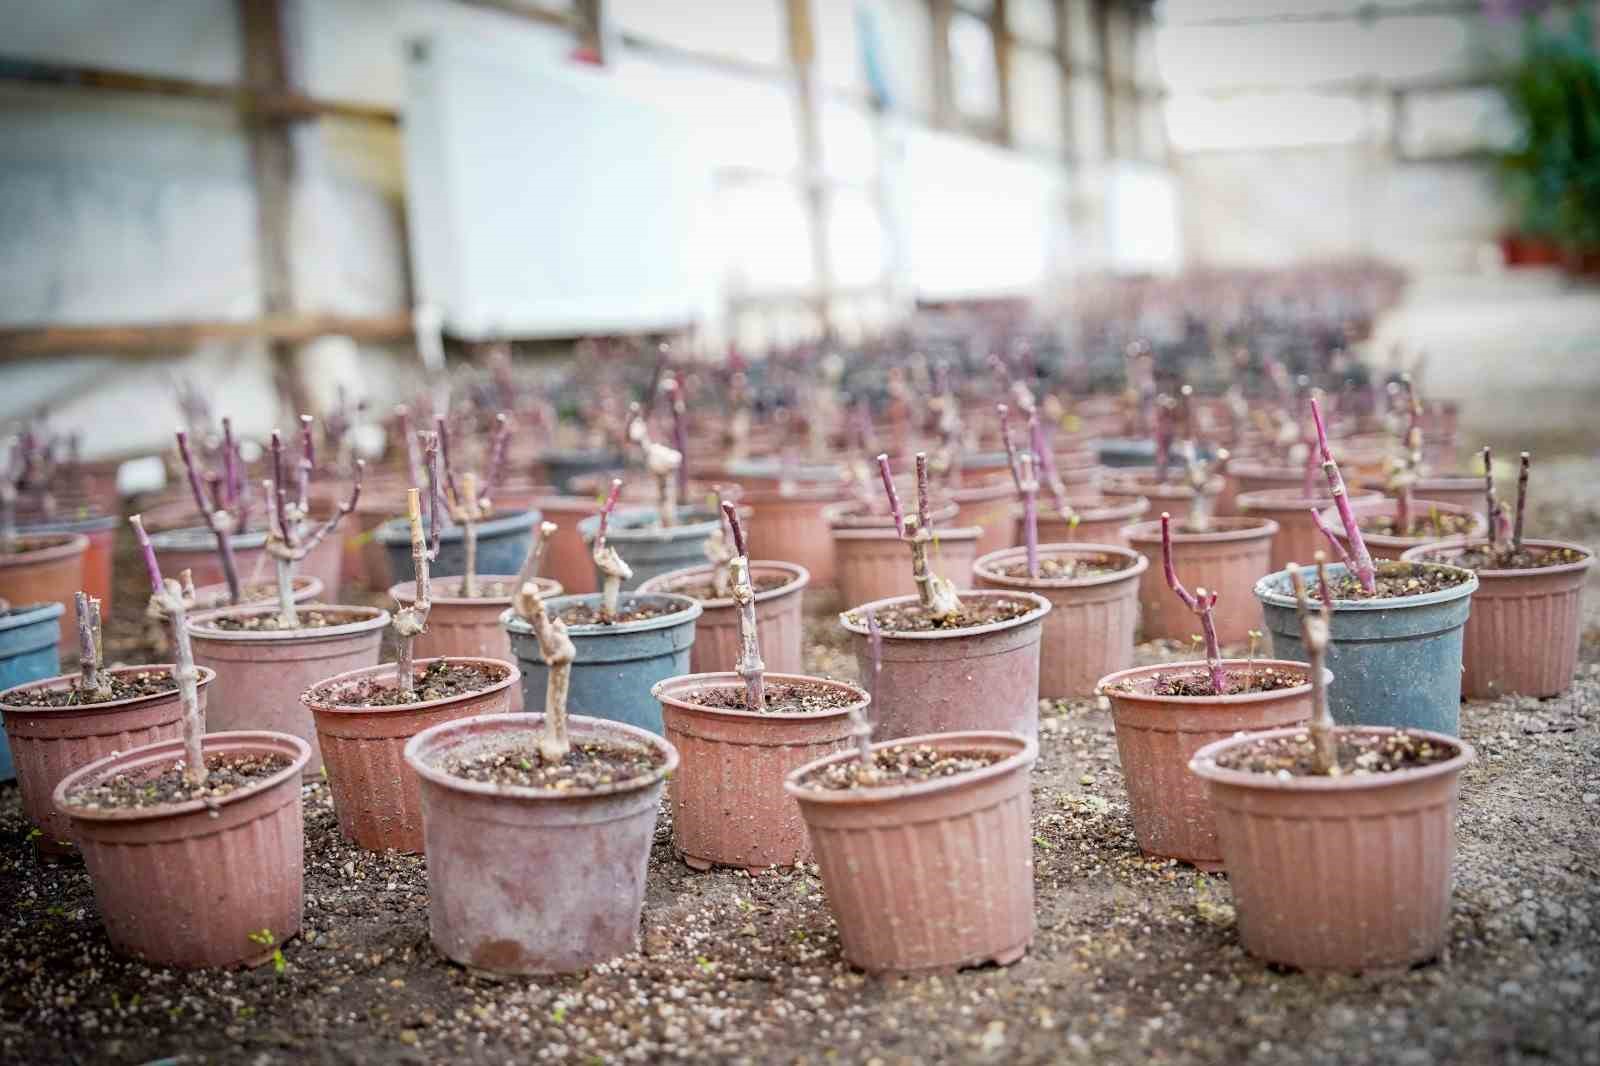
1136 961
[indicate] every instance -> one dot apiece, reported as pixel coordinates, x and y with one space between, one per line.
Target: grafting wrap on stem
558 652
1201 602
172 600
937 595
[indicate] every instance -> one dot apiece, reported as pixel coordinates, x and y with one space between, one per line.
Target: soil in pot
798 697
122 686
1197 682
1067 567
589 764
1392 582
913 618
1357 753
225 775
440 679
628 610
899 765
311 618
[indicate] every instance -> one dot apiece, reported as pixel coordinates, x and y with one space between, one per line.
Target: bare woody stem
1360 560
1315 634
173 600
937 595
1027 490
536 553
411 621
89 677
558 652
1491 506
1201 603
749 665
1522 501
216 519
613 569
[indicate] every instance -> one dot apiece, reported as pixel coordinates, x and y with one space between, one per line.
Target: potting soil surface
119 687
1356 755
1241 680
225 774
797 698
439 680
1504 558
973 612
1393 580
899 765
704 590
587 764
268 623
628 610
1424 526
1136 959
1074 566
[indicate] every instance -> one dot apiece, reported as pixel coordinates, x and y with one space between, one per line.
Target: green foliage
1553 174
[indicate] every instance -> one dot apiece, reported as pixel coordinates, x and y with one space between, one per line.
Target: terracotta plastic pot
934 875
48 743
648 548
503 543
1298 539
780 618
47 569
1175 499
1100 521
260 675
728 803
1388 547
988 507
1227 561
376 796
944 681
459 626
214 597
1249 477
853 514
98 559
1158 735
1089 630
198 883
1339 873
29 650
616 664
373 509
875 564
1395 661
1465 491
567 558
794 522
769 473
1522 636
534 881
195 549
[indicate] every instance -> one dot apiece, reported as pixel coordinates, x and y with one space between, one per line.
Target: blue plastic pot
617 665
561 466
1395 662
502 546
651 549
29 651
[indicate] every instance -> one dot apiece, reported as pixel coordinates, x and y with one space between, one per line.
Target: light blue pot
503 543
650 549
1395 662
617 665
29 651
562 466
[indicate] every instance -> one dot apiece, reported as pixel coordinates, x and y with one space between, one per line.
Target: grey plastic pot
29 651
617 665
562 465
1395 662
650 548
502 546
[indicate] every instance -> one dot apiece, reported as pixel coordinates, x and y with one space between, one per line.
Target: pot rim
1295 499
954 533
842 514
529 722
661 690
406 591
200 538
687 613
774 466
397 531
1133 485
299 582
799 578
58 546
1459 544
417 666
1023 758
623 534
167 751
1446 482
1258 529
378 619
91 523
1268 595
1238 699
31 614
1141 563
1099 510
1384 505
1041 607
207 675
1204 765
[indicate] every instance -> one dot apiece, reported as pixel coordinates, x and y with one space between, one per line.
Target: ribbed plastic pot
195 884
1158 735
793 522
567 558
1344 873
875 564
934 875
47 569
1298 538
853 514
460 626
1395 661
376 796
780 618
944 681
1389 547
534 881
727 799
503 543
562 465
29 650
1249 477
1228 561
1100 521
195 549
48 743
1089 630
649 548
1465 491
98 558
1523 634
768 473
987 506
260 675
215 597
616 664
1175 499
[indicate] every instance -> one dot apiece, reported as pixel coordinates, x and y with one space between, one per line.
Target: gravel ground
1135 961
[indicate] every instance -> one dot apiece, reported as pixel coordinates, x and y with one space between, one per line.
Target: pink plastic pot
1176 498
1089 630
1100 521
48 743
1523 633
47 569
195 549
197 884
780 618
728 803
934 875
793 523
260 675
376 796
944 681
1458 491
1297 539
531 881
1344 873
1158 735
462 627
988 507
875 564
1383 546
1226 561
567 558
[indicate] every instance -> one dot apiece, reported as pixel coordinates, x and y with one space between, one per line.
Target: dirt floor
1136 961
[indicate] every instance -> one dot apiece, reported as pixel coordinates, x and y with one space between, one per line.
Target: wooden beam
802 59
544 16
170 338
1000 35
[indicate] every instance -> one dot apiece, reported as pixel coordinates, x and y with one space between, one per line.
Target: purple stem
444 457
680 433
279 498
923 521
731 513
230 572
497 452
153 568
1202 605
894 497
1360 559
1333 539
1490 506
1522 502
1030 515
606 509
